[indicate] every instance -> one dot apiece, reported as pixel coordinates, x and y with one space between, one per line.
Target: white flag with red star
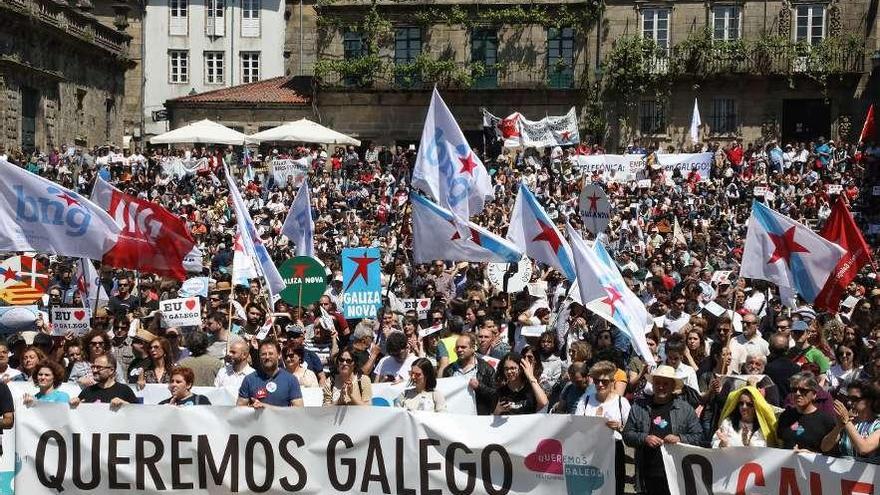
446 168
787 253
39 215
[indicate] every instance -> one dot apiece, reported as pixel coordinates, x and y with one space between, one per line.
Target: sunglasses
345 361
290 356
802 390
97 343
602 381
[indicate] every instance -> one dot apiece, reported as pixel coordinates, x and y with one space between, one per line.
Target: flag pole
397 240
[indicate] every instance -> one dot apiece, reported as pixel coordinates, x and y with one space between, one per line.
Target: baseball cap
799 326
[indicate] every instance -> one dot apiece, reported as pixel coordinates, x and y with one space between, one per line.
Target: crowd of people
735 366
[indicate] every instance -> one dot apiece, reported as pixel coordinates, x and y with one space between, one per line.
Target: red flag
153 239
868 129
842 230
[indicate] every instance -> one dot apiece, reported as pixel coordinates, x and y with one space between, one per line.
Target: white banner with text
739 470
208 449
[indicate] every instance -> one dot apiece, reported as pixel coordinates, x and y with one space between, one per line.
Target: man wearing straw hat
656 420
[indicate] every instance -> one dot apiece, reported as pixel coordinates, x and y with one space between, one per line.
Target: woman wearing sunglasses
857 432
294 363
606 403
747 420
803 426
349 387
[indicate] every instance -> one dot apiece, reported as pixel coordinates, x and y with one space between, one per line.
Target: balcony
768 57
375 73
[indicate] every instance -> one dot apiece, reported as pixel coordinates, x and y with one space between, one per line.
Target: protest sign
420 306
70 320
518 131
181 312
361 282
613 168
835 189
288 169
760 191
306 280
532 330
644 183
18 318
210 449
196 286
685 163
510 277
595 209
738 470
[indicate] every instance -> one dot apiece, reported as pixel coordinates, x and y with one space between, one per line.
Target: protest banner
361 282
518 131
420 306
209 449
181 312
70 320
701 163
835 189
613 168
760 191
288 169
595 209
739 470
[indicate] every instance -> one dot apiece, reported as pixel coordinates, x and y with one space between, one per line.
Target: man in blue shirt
270 384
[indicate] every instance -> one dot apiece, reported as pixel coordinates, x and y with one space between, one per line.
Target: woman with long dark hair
349 387
747 420
158 368
518 390
423 395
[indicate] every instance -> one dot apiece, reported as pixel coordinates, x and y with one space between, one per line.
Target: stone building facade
759 69
127 16
62 76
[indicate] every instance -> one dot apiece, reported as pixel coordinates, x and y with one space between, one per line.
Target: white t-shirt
388 366
614 408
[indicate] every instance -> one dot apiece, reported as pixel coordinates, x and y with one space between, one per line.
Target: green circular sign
306 280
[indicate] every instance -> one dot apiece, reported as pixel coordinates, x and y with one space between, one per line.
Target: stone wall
73 65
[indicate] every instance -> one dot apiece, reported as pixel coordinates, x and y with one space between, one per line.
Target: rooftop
282 90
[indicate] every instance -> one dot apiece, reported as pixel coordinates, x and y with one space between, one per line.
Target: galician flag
251 241
787 253
39 215
440 235
533 232
604 292
446 168
298 226
696 122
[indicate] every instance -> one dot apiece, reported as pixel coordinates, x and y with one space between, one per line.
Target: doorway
30 99
805 120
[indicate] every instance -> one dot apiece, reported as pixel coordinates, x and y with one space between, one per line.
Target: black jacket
485 392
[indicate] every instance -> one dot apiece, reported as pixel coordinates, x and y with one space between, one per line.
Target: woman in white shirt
605 403
747 420
423 395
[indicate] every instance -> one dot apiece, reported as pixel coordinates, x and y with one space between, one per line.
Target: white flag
695 123
298 226
446 167
39 215
88 284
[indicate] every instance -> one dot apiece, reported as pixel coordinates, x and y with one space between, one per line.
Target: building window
407 47
353 48
178 24
215 23
214 67
484 50
655 26
810 24
723 118
178 66
250 67
250 18
725 23
652 117
560 57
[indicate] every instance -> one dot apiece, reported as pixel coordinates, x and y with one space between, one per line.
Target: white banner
288 169
181 312
624 168
208 449
420 306
516 130
180 168
740 470
66 320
